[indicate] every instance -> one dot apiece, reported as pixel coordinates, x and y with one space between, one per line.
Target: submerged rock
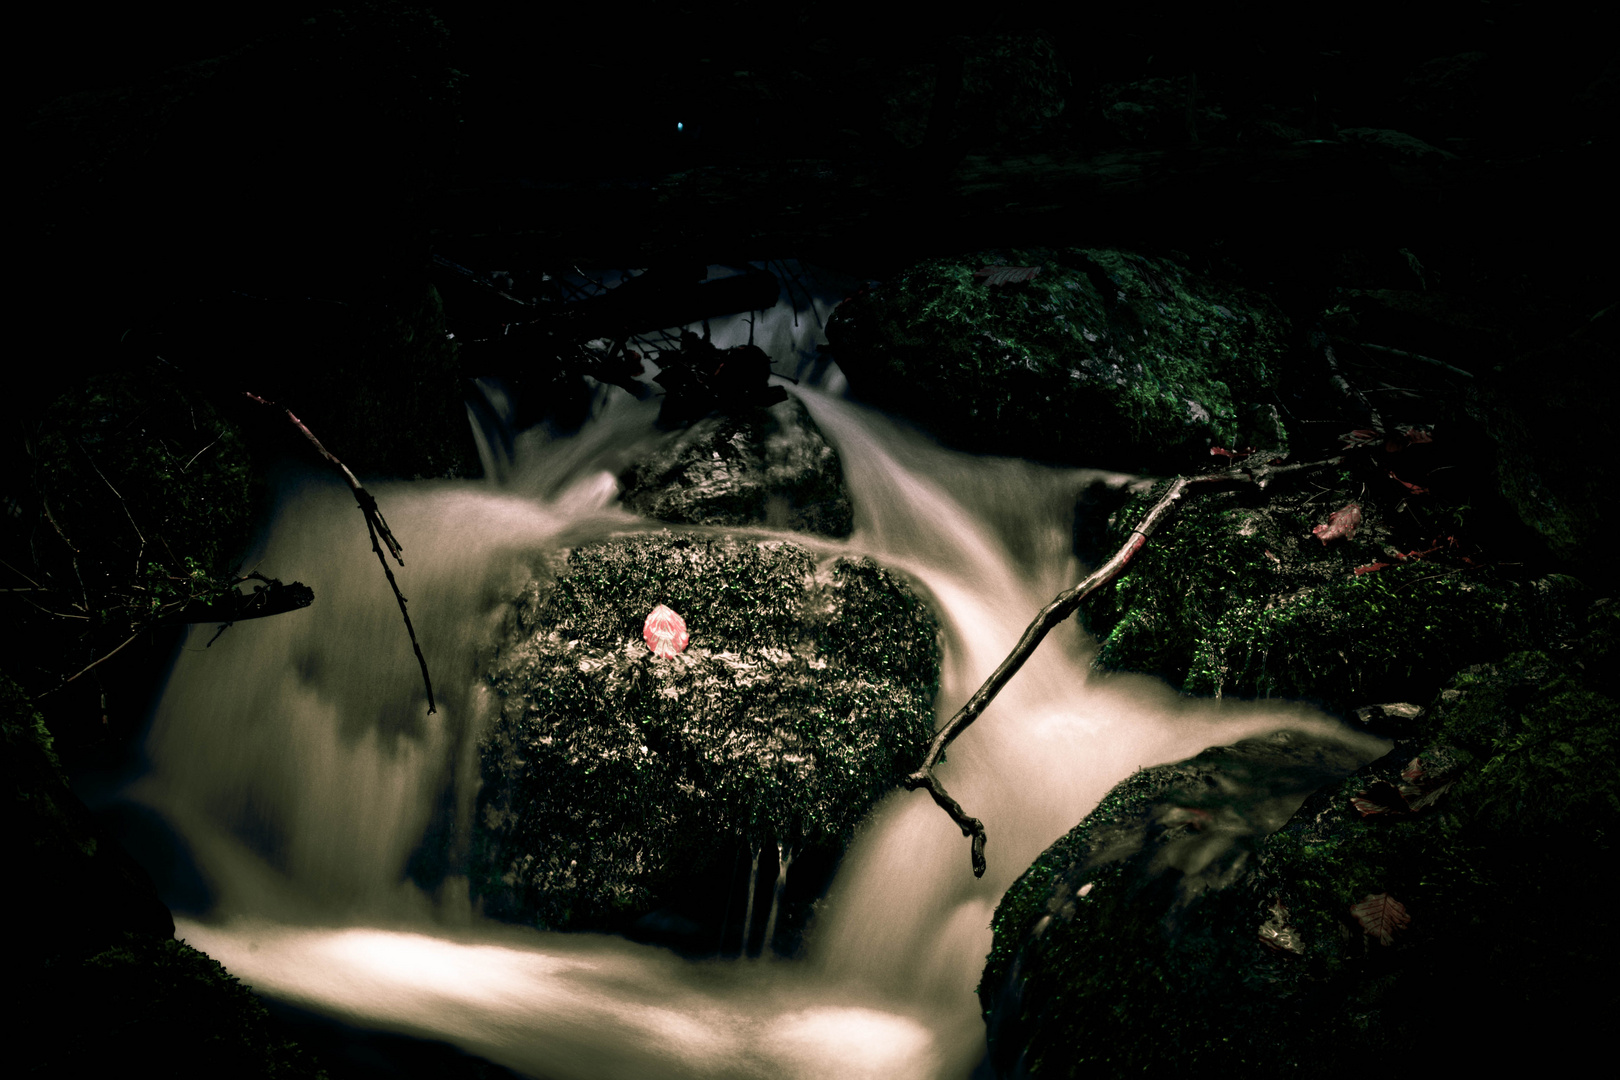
754 467
1102 358
611 775
1424 910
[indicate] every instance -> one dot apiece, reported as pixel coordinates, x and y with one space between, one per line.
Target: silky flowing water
296 758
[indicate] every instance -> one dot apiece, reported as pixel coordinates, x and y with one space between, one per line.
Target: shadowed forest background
286 203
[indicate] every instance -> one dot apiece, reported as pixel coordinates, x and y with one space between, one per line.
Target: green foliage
133 500
803 694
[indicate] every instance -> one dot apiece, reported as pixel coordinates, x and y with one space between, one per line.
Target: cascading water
297 760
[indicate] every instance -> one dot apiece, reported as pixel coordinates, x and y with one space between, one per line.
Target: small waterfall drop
296 758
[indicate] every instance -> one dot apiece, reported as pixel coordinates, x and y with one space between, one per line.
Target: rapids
296 759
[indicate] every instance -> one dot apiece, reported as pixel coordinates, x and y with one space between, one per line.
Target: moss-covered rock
762 466
143 1001
806 690
1237 596
1433 908
1553 436
1131 907
1103 358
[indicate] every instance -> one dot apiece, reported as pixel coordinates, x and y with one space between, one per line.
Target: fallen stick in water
1061 607
376 526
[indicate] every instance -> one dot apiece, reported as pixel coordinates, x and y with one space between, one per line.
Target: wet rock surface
767 467
1132 907
1102 357
611 776
1430 898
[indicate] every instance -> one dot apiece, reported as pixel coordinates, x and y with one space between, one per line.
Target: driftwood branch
376 527
1064 605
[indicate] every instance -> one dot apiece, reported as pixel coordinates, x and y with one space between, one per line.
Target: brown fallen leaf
1380 915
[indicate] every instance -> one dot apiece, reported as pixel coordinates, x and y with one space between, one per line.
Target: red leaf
664 632
1417 435
1371 567
1380 915
1005 275
1230 455
1413 770
1340 523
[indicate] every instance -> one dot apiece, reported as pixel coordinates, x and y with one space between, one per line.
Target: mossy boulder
761 466
1103 358
1553 436
1120 924
1236 595
610 774
144 1000
1434 908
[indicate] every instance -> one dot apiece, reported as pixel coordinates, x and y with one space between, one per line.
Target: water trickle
748 908
784 859
297 760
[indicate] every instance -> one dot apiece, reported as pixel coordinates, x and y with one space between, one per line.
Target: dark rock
755 467
1554 438
1429 909
1113 951
1103 358
610 775
1162 110
145 1000
1395 147
95 890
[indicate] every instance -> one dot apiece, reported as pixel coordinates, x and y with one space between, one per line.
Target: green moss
1495 872
804 693
1234 596
1105 357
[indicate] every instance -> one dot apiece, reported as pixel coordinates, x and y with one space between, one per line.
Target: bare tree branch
1064 605
375 526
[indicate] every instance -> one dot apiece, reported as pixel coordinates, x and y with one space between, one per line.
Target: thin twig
1403 354
93 664
1050 616
409 629
375 526
121 503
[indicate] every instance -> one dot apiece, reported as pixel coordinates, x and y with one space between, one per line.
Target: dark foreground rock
1101 358
752 467
102 986
1437 908
610 775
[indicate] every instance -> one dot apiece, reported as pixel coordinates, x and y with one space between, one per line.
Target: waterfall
296 759
748 909
784 859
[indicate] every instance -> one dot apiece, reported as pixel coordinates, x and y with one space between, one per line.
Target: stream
296 759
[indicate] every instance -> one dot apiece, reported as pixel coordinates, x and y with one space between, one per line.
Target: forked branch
376 527
1064 605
